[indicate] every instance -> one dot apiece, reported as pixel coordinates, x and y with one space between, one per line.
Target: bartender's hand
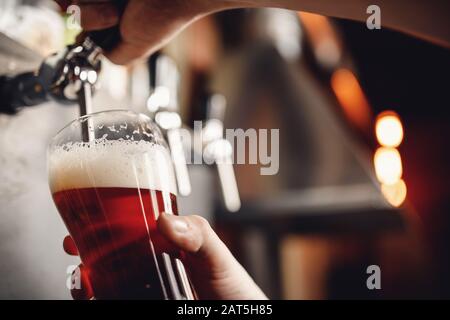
145 25
215 273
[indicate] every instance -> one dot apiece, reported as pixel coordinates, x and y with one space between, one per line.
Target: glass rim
95 114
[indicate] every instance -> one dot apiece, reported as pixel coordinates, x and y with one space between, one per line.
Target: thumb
194 235
216 274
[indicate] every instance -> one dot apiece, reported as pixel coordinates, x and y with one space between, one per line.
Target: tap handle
107 39
24 90
228 183
220 149
179 161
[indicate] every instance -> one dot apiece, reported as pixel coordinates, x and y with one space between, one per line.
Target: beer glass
111 176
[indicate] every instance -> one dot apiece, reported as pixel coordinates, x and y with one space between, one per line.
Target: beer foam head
111 163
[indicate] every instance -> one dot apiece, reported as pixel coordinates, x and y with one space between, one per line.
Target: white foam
105 163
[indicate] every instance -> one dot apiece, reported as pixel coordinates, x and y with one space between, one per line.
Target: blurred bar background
363 173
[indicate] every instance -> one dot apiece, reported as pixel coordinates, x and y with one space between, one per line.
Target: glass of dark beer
111 175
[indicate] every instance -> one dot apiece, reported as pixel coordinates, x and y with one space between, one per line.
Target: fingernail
178 224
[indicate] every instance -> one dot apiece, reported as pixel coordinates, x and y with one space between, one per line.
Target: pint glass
110 189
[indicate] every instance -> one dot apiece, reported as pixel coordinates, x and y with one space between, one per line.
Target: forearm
425 19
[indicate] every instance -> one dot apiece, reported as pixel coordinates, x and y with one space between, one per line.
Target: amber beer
110 195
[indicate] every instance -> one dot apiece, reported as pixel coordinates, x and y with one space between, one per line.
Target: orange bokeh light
351 97
324 41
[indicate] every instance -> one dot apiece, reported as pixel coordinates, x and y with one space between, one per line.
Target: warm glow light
389 129
323 38
388 165
395 193
351 97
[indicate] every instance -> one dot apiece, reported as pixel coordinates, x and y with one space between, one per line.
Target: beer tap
219 150
163 103
63 77
68 77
